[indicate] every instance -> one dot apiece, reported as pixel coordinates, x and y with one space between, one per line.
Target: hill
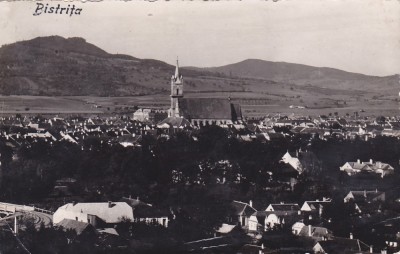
57 66
306 75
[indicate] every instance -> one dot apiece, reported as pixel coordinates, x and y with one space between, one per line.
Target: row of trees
186 173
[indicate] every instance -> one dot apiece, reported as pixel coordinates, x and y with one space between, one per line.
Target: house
143 212
315 207
283 207
365 202
97 214
142 115
352 168
151 215
80 228
316 233
226 228
341 245
293 162
240 213
129 140
279 215
172 124
365 196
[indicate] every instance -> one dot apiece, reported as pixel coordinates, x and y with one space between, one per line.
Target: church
199 111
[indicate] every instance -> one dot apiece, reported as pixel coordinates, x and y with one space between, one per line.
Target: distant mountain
58 66
299 74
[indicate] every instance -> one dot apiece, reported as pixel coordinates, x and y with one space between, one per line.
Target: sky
360 36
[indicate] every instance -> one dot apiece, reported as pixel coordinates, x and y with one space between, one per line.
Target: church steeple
176 91
177 74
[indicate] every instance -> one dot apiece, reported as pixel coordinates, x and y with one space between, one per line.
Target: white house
94 213
293 161
315 206
280 215
142 115
352 168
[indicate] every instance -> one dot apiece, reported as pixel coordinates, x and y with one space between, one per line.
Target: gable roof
315 231
241 208
209 108
342 245
285 207
366 196
314 205
77 226
108 213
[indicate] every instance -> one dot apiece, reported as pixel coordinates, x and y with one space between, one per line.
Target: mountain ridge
57 66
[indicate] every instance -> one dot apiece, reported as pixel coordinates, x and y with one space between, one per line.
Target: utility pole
15 226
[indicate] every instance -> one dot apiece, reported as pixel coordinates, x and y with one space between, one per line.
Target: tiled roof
209 108
285 207
78 226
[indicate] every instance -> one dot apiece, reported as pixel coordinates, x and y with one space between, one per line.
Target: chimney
351 235
371 161
309 230
109 204
358 161
251 203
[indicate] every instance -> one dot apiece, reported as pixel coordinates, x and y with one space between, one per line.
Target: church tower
176 92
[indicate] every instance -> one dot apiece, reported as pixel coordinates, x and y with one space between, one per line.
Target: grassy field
254 104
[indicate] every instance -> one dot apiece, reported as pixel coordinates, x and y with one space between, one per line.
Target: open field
253 104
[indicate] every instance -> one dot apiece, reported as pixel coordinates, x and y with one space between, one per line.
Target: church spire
176 91
177 74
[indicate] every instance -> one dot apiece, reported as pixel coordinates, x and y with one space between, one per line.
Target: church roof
209 108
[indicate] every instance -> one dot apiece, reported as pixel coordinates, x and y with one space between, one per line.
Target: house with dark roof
365 196
80 228
152 215
315 207
341 245
147 213
315 232
240 213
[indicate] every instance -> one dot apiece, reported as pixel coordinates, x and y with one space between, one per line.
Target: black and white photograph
243 127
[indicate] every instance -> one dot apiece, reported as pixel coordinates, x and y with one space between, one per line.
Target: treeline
208 157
